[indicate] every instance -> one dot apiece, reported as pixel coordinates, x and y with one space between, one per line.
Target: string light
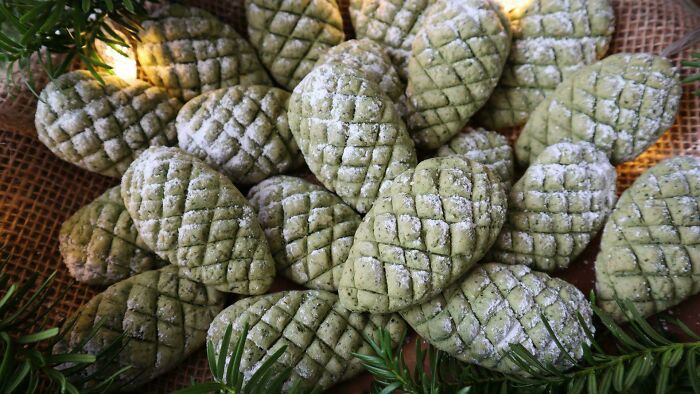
123 66
514 8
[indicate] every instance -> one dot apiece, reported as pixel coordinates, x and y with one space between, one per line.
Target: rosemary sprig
693 64
28 364
228 379
646 360
65 27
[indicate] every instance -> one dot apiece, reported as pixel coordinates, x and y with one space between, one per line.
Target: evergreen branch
649 360
26 345
696 65
68 28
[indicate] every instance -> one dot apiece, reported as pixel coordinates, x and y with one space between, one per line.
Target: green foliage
65 27
645 359
27 364
693 64
228 379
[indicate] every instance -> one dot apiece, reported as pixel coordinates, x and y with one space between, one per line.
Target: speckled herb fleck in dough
291 35
622 104
163 316
392 24
99 243
319 333
241 131
456 61
102 128
369 58
424 232
310 230
497 305
650 251
486 147
188 51
551 40
350 133
557 207
195 218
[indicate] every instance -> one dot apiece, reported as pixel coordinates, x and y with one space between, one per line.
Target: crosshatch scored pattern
38 191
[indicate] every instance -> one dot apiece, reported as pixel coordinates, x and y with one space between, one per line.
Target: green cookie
350 133
310 230
163 316
369 58
103 127
188 51
319 334
496 306
242 131
100 245
557 207
291 35
456 61
621 104
195 218
650 252
486 147
392 24
551 40
423 233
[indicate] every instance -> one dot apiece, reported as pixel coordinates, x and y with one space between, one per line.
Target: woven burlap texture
38 191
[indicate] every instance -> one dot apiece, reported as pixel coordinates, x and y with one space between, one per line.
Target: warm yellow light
123 66
514 8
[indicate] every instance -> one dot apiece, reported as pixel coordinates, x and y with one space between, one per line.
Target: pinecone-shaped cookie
103 127
319 333
163 316
456 61
369 58
622 105
350 133
390 23
557 207
188 51
310 230
498 305
486 147
99 243
650 251
291 35
195 218
551 40
242 131
424 232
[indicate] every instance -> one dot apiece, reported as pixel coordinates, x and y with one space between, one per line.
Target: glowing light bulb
123 66
514 8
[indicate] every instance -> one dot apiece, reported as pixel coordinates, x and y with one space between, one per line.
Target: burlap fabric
38 191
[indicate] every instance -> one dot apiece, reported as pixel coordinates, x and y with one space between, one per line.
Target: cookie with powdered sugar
423 233
621 104
551 40
496 306
650 250
291 35
391 23
350 133
456 60
369 58
309 229
242 131
557 207
485 147
188 51
319 335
